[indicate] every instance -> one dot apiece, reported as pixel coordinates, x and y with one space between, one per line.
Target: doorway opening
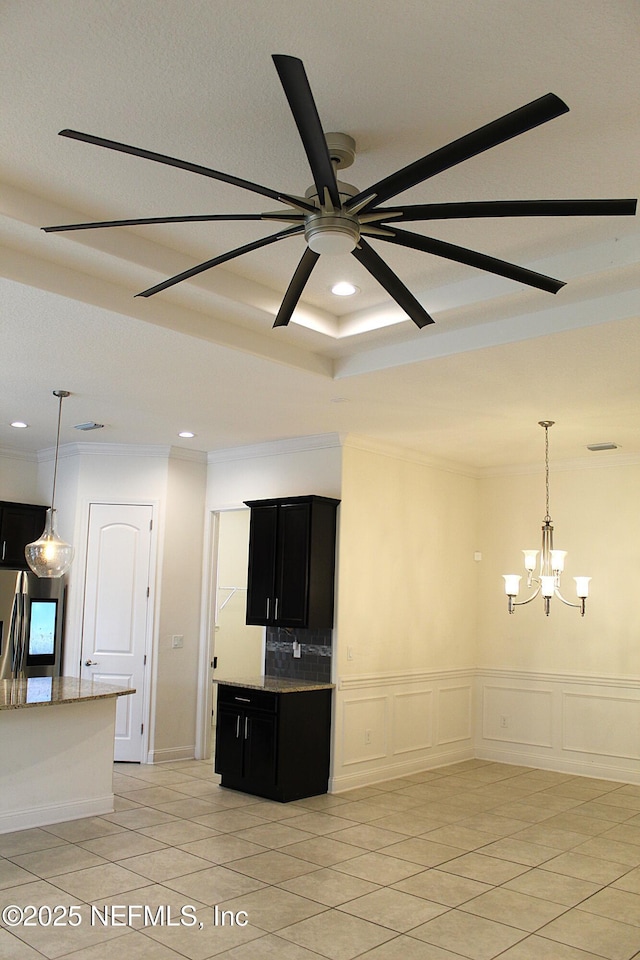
237 650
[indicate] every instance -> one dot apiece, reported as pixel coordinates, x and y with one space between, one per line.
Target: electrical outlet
349 653
177 641
297 650
504 721
367 736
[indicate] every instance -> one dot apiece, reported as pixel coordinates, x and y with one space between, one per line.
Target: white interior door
115 619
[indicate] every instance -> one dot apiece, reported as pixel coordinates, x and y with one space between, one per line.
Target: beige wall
407 578
405 639
285 469
179 610
562 692
596 514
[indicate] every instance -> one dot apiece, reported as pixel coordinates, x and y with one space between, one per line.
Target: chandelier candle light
50 556
551 561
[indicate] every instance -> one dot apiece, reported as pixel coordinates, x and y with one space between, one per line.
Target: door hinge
142 728
144 662
150 524
148 592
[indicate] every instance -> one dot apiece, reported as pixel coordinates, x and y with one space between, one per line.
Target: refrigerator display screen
42 631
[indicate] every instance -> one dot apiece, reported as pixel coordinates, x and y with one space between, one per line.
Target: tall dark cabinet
20 524
292 546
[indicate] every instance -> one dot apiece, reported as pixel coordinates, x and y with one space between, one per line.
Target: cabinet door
20 524
229 740
260 748
292 573
262 564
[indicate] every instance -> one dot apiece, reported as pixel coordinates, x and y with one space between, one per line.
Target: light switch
177 641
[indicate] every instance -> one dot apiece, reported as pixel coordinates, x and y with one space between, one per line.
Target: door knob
91 663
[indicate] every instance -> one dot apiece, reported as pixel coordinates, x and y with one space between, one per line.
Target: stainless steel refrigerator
31 624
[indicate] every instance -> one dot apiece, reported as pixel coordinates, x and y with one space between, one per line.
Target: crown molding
11 453
397 452
276 448
595 461
151 451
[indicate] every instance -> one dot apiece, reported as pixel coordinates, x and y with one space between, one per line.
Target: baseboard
43 816
602 768
169 754
393 771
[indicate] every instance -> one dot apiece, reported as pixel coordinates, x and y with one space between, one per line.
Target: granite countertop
46 691
276 684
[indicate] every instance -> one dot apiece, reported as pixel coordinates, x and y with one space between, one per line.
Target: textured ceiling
195 80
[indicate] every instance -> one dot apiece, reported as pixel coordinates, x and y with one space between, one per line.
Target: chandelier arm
557 594
581 605
521 603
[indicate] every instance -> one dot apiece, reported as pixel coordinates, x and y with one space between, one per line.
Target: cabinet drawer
247 697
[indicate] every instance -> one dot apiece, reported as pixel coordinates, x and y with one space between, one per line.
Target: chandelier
551 561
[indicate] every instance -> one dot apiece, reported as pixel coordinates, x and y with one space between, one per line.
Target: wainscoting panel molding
607 725
455 714
396 724
583 725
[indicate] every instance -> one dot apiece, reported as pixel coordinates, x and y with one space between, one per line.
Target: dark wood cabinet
273 745
291 576
20 524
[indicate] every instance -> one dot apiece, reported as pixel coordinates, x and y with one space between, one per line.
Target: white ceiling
195 80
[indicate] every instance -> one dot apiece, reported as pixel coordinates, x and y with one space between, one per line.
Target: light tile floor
475 860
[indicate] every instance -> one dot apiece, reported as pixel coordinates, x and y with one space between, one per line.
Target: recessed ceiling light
608 445
186 434
339 400
19 425
344 289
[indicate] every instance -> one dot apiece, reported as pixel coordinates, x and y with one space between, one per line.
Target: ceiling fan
335 217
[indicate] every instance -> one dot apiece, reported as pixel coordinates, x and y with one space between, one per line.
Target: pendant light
551 561
49 556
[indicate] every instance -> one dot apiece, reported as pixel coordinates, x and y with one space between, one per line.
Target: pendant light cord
60 394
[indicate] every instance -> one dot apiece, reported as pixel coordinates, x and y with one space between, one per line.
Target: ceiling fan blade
230 255
295 288
186 165
490 135
510 208
391 283
204 218
298 92
473 259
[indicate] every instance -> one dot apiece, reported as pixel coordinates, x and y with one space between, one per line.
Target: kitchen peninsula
56 744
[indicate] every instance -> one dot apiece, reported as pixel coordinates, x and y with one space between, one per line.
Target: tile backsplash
314 663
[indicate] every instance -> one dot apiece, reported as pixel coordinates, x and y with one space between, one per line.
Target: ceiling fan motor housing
331 231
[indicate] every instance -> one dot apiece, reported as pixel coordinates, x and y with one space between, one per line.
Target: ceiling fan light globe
332 234
334 244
